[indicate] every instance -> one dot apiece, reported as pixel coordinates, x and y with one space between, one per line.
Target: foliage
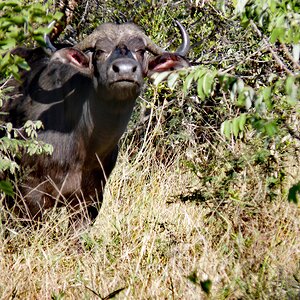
293 193
20 24
280 20
267 103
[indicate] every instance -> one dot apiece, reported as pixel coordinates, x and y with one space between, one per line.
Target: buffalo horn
184 48
89 42
49 45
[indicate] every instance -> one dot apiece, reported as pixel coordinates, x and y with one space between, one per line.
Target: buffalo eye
141 53
98 53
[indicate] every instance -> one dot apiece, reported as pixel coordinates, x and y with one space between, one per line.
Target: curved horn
49 44
89 42
49 49
152 47
184 48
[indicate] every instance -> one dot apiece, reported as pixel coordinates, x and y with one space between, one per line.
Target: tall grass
152 245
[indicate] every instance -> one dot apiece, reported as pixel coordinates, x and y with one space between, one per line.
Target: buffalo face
118 68
122 55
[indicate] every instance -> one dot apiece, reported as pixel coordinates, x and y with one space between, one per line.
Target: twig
294 134
244 60
270 48
84 14
5 82
290 56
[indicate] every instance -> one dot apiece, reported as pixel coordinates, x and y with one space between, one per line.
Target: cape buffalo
84 96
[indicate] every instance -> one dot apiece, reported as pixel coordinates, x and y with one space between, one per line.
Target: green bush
264 100
20 24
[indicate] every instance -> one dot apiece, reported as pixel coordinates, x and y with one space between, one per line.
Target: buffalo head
121 55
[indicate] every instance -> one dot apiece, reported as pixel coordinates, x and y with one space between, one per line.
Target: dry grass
157 247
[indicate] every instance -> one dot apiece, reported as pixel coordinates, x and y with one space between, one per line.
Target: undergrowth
150 242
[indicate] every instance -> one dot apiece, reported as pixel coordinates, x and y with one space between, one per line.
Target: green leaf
237 89
159 77
18 20
199 73
206 285
23 65
7 188
241 100
208 81
40 39
271 128
38 124
290 85
277 34
42 31
172 79
240 85
9 3
187 82
235 127
16 34
200 91
4 61
242 121
7 44
58 15
48 149
266 92
293 193
226 127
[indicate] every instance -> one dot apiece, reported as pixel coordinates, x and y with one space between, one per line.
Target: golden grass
155 246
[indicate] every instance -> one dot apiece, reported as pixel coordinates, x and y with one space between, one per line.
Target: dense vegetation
204 200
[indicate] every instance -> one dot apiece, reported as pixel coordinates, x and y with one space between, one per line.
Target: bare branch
290 56
84 14
271 49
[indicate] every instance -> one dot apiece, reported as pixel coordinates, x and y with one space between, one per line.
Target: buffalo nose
124 67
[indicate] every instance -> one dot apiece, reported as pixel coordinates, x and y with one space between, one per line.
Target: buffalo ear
167 62
72 56
30 55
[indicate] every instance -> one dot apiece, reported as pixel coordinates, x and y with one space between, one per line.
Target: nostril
134 69
116 69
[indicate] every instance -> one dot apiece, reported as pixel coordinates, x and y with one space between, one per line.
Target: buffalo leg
85 208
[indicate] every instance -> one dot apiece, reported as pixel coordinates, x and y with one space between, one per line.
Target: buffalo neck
106 121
